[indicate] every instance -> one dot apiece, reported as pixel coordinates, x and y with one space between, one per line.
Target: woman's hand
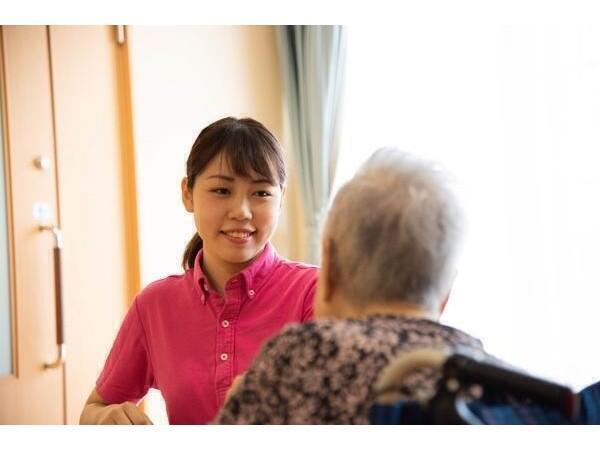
97 412
122 414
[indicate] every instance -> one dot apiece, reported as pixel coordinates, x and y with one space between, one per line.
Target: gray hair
395 229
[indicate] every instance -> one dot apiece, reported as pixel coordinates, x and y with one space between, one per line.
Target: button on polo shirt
183 338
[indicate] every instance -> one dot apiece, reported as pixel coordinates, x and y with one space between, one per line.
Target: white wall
184 78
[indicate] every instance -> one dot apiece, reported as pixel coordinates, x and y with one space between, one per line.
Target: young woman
190 335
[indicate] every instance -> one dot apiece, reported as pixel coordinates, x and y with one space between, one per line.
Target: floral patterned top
324 372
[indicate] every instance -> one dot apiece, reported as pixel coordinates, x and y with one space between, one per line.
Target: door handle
58 297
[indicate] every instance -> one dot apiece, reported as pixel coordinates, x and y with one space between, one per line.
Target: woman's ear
186 196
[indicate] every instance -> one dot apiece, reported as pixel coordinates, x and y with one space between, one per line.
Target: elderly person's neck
387 309
342 306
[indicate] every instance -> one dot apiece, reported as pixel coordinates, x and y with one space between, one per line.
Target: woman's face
235 216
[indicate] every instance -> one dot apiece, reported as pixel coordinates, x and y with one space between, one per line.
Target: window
514 113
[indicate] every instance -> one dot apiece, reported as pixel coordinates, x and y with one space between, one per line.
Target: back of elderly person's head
394 231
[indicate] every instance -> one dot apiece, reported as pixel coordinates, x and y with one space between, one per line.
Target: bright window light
514 113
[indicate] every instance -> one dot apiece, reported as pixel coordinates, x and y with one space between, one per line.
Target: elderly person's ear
328 263
326 287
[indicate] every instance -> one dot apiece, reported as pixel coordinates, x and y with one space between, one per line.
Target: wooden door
30 393
96 186
66 98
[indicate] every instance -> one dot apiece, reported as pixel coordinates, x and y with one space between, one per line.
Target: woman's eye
263 194
221 191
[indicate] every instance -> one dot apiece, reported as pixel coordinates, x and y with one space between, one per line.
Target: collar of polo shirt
253 275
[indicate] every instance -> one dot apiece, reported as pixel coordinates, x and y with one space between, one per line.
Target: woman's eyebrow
231 179
262 180
221 177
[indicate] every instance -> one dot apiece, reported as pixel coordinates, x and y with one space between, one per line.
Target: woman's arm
97 412
120 382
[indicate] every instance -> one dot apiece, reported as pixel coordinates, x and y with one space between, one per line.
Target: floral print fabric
324 372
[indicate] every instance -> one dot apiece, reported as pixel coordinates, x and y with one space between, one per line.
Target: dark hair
247 147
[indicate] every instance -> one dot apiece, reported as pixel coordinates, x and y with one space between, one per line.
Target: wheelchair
473 389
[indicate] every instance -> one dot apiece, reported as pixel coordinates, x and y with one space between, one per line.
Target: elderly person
388 254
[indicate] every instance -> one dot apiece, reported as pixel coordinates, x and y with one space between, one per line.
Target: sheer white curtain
514 113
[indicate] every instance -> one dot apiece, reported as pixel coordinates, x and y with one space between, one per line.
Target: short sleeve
308 307
127 373
272 386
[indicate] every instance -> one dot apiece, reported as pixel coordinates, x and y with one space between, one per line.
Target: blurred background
97 122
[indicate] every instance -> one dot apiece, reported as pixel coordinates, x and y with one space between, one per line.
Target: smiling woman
234 186
190 335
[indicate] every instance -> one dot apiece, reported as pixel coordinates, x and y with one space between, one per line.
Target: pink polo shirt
183 338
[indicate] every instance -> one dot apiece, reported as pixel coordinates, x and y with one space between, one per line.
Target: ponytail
191 250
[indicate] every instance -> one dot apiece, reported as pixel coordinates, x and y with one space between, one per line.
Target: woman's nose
240 209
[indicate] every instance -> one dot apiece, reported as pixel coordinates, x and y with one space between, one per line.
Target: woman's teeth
238 234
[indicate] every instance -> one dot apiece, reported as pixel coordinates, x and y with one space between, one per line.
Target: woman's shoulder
297 269
171 286
297 265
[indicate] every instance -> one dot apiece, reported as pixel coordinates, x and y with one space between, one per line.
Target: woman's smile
238 236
